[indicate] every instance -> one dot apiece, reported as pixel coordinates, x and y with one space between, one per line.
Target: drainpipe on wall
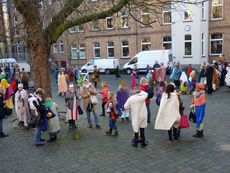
136 32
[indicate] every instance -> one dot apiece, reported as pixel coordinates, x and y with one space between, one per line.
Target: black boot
143 144
2 135
198 134
135 144
52 138
109 132
127 118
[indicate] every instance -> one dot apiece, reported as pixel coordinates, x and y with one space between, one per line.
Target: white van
144 58
12 61
106 65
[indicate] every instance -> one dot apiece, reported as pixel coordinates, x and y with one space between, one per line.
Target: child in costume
136 105
71 106
181 110
184 83
53 120
192 82
113 117
133 82
159 92
104 93
122 96
149 75
199 103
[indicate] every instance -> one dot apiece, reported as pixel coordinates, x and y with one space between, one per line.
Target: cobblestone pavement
94 152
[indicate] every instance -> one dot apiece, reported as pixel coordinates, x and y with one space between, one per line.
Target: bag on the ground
158 99
93 99
184 122
192 117
150 92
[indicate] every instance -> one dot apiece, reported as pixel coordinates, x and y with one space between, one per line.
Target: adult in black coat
209 77
2 112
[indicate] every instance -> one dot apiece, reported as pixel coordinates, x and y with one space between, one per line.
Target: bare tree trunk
39 59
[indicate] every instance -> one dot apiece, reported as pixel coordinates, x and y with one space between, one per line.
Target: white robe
54 125
168 113
184 77
138 110
227 78
21 106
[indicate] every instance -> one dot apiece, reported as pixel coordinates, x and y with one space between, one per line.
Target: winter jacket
2 104
143 88
176 73
85 92
104 94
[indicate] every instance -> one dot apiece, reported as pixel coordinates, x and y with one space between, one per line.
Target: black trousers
103 108
142 132
209 86
177 83
175 135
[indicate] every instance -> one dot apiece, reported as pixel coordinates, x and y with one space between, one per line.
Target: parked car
104 64
144 58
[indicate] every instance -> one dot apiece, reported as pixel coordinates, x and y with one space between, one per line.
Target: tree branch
87 18
61 17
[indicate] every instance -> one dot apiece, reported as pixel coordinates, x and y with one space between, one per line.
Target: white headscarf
184 77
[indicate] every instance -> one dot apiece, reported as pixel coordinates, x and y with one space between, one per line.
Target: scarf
48 104
196 94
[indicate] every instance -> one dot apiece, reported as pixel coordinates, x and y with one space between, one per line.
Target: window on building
203 11
54 48
80 28
167 19
50 2
125 49
61 47
42 24
203 44
95 25
124 19
145 17
72 29
110 49
146 43
16 32
188 12
74 51
82 51
109 22
216 44
188 45
96 49
217 9
13 7
167 42
40 4
15 19
58 1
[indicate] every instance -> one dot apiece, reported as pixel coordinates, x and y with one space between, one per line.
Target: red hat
200 85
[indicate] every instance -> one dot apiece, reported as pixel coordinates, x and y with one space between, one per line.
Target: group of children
171 106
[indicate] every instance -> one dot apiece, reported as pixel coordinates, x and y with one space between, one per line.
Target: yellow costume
9 101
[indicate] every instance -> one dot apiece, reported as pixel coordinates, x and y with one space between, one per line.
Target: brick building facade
120 36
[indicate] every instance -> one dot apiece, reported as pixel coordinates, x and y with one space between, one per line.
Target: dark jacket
209 73
2 104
